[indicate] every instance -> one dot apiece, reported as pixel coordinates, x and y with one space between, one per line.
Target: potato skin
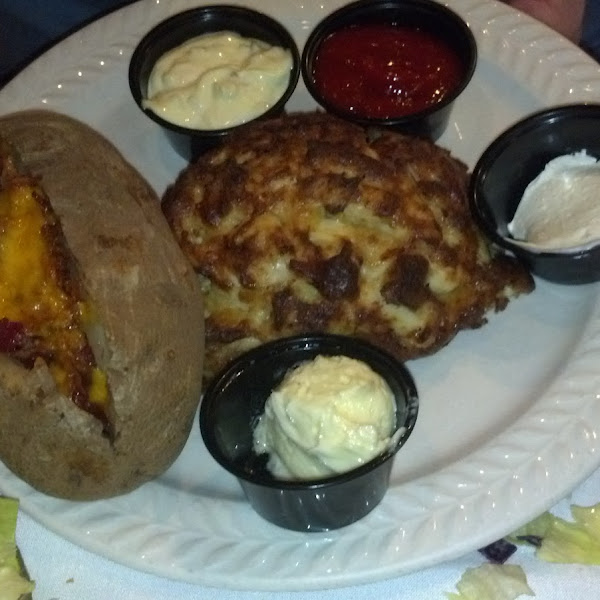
148 306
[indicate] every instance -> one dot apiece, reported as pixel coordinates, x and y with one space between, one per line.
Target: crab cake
307 223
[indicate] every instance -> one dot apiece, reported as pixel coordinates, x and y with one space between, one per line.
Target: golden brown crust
305 223
149 315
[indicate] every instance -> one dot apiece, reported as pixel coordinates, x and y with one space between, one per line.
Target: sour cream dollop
218 80
560 208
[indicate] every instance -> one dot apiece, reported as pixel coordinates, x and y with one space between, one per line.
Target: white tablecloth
63 571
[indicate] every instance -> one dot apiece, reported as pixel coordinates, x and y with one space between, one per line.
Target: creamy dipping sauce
218 80
560 208
328 416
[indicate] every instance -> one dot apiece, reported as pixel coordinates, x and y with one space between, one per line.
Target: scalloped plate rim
80 523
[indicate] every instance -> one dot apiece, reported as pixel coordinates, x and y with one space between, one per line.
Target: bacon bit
335 277
407 281
12 336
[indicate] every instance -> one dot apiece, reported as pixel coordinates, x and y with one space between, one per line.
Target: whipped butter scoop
560 208
218 80
328 416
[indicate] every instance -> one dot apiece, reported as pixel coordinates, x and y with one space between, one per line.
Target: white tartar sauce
218 80
560 208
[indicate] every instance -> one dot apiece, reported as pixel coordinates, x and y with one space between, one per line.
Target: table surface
63 571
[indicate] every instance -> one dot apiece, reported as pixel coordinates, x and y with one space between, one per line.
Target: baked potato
118 409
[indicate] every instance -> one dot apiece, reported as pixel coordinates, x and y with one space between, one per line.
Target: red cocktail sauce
385 70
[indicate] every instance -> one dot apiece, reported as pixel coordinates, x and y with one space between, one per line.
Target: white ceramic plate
509 413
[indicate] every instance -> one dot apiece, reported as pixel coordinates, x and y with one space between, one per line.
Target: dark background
28 27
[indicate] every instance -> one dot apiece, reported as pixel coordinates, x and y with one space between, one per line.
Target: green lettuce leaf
562 541
538 528
12 583
492 582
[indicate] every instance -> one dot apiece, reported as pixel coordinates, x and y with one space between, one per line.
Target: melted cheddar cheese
27 293
40 293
